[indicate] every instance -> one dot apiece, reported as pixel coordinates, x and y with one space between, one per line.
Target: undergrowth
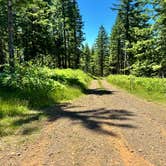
29 90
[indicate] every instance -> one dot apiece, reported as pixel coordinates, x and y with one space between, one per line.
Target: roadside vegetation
29 89
153 89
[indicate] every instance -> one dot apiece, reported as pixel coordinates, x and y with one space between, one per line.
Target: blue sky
96 13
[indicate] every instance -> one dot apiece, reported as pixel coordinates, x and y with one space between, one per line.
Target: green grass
100 84
152 89
13 110
27 92
76 78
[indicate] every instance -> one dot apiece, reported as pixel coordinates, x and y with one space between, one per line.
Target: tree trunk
11 36
2 56
102 64
64 36
118 58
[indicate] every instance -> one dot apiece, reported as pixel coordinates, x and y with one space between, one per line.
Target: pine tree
11 5
93 61
3 34
116 48
86 58
68 28
160 27
134 27
76 25
102 48
35 31
11 34
142 46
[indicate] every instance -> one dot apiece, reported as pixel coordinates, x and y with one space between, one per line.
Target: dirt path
107 127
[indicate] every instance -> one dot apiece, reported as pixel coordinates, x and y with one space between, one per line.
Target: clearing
106 127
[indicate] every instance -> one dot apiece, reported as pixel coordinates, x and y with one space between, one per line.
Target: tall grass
76 78
153 89
24 93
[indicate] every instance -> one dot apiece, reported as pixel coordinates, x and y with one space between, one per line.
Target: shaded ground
107 127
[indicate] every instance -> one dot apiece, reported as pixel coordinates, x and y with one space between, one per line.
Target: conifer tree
160 27
102 49
86 58
116 48
3 33
134 27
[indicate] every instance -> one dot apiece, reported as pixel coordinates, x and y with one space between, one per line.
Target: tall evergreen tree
116 48
134 27
11 34
102 48
160 27
34 30
69 21
86 58
3 34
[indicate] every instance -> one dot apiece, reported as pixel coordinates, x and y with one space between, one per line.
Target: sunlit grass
16 117
152 89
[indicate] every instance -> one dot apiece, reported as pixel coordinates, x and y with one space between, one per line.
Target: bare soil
106 127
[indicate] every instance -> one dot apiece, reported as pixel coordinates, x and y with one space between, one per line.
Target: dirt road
106 127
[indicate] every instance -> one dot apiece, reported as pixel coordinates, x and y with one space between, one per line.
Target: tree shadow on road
93 119
99 92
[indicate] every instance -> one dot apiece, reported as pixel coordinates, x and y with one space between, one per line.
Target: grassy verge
100 84
27 92
152 89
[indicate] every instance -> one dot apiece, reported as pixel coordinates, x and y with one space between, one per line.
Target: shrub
42 86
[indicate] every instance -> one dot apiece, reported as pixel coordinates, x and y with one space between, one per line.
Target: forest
50 33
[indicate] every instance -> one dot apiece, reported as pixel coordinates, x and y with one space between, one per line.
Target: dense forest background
50 33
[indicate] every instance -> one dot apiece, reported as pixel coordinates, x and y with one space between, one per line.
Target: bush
71 77
28 83
42 86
